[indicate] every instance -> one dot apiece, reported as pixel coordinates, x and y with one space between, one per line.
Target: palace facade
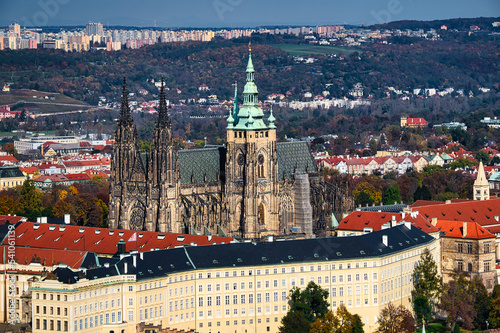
237 287
251 188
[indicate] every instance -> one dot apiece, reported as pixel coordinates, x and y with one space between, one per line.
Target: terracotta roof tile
455 229
358 220
102 240
484 212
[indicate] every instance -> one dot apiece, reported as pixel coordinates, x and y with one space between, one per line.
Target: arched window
261 214
260 166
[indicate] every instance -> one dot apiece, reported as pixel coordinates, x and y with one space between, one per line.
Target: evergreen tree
482 303
422 193
494 315
392 194
30 200
426 281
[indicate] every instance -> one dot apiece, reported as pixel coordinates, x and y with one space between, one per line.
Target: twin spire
126 115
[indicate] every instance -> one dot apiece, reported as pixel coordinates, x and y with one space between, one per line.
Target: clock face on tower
241 159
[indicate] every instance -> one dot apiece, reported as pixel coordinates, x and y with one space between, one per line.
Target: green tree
310 303
458 301
422 193
392 194
483 156
294 322
30 200
494 315
394 319
426 281
482 303
422 310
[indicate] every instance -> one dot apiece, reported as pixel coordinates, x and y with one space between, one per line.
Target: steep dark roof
164 262
397 208
294 157
196 164
9 171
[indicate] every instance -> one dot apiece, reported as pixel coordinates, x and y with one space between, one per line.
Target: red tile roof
8 158
77 176
29 170
484 212
416 122
455 229
102 240
47 257
11 219
358 220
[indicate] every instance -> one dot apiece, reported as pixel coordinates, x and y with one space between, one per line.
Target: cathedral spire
162 108
125 115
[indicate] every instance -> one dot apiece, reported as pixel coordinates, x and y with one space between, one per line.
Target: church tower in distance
251 187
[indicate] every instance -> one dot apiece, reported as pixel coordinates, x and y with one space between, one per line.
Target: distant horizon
105 26
233 14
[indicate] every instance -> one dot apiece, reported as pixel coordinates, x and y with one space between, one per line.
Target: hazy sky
236 13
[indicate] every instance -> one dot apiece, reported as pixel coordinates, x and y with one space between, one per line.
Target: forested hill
462 63
461 24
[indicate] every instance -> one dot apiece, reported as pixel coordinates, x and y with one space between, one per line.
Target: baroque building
253 187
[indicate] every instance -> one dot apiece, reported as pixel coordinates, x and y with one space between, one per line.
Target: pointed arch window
260 166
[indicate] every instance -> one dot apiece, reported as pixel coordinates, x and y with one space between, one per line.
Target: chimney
134 261
496 218
270 238
141 255
434 221
121 246
66 219
464 231
408 225
393 221
385 240
44 219
403 215
125 268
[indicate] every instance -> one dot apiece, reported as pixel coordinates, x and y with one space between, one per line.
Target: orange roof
359 220
484 212
77 176
102 240
8 158
11 219
416 121
29 170
455 229
47 257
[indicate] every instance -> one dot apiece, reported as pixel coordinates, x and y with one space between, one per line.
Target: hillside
461 62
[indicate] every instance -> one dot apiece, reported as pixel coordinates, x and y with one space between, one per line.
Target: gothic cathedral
251 188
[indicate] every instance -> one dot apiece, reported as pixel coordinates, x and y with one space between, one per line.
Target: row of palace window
467 248
51 310
150 313
157 297
243 322
93 306
51 325
84 323
461 267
